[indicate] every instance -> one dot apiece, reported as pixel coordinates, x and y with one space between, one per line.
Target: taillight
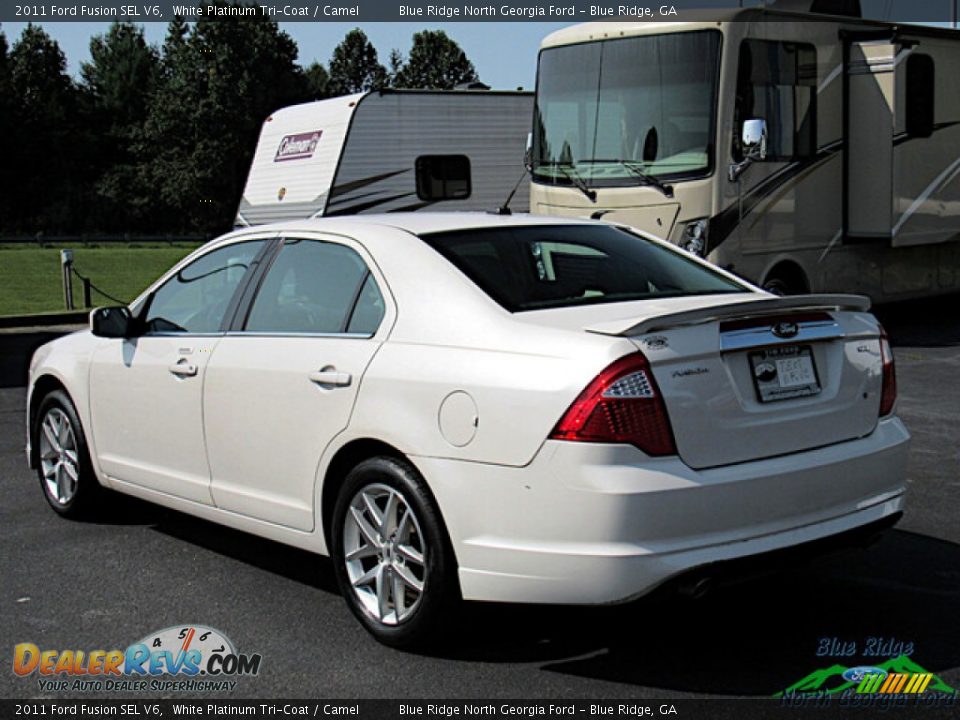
621 405
888 395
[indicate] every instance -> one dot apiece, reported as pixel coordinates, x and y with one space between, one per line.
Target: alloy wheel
384 553
59 456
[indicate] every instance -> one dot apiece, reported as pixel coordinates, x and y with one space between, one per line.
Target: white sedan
503 408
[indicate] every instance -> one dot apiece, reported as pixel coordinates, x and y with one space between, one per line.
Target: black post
86 293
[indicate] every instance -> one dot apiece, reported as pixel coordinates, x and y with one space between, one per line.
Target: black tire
786 279
85 494
778 286
411 624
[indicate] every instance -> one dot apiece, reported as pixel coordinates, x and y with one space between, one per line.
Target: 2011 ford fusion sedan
486 407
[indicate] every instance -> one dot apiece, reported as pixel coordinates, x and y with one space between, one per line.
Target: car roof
417 222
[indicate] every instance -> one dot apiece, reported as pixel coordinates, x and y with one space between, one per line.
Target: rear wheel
66 475
392 556
786 279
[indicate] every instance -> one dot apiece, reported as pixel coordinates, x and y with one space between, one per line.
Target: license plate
782 373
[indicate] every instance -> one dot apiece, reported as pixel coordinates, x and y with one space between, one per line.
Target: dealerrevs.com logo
197 657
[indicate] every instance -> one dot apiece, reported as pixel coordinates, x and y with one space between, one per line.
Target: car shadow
752 639
929 322
755 638
289 562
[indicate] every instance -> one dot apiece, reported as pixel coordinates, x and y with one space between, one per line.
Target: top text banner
427 11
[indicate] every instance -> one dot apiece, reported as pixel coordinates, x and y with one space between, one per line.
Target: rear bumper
589 523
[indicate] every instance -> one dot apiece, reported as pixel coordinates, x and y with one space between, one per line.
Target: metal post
86 293
66 265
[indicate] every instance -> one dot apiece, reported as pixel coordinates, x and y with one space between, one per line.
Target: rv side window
443 177
920 91
777 82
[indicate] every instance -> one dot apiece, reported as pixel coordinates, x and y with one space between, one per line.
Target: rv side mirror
754 138
528 153
110 322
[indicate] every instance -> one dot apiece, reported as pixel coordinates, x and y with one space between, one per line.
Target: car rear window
545 266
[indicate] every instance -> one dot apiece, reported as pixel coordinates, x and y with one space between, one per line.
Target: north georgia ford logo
181 650
298 147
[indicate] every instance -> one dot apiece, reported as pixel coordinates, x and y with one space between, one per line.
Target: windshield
546 266
606 110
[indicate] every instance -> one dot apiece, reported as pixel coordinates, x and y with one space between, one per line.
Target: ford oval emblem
856 674
785 329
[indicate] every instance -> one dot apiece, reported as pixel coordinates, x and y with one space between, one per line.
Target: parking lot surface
105 585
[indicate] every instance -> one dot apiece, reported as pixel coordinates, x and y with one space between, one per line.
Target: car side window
196 298
317 287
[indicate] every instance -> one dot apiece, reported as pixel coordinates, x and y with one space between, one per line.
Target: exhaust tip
696 588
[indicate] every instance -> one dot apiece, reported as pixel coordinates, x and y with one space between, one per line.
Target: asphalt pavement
106 584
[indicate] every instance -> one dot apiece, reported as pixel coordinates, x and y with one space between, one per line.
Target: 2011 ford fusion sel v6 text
475 406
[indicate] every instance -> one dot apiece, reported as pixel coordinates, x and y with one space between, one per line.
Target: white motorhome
804 152
389 150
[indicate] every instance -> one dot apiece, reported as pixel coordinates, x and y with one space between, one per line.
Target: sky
504 53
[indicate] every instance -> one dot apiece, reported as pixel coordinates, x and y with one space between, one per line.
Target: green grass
31 279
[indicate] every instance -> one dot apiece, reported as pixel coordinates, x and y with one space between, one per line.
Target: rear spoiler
738 310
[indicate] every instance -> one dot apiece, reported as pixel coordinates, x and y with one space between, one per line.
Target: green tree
176 39
355 67
38 74
435 62
318 82
121 74
394 66
4 72
7 125
118 82
219 83
48 190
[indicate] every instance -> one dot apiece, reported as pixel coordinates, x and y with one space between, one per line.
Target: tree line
159 140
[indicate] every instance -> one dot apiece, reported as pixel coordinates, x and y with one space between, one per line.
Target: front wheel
66 475
392 555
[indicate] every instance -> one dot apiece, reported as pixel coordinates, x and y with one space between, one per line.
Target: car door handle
330 376
183 369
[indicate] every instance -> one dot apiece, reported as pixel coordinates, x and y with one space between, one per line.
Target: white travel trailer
387 151
804 152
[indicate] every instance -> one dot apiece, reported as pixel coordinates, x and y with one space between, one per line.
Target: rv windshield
607 109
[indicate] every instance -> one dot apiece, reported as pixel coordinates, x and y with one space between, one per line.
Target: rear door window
317 287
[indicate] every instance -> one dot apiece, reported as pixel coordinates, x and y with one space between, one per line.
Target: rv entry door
870 122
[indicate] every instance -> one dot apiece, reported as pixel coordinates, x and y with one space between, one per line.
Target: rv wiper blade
647 178
638 172
571 174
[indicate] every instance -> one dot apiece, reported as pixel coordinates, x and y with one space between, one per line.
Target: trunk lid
763 377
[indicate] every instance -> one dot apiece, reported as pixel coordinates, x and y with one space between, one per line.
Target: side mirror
528 153
111 322
754 138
